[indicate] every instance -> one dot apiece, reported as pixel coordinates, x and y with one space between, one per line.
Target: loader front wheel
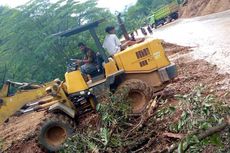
137 93
54 131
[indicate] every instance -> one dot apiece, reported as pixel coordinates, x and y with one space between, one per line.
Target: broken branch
202 135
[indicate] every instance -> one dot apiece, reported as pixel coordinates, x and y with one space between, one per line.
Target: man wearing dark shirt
88 63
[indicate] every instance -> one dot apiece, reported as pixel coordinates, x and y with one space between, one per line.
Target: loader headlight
55 87
58 81
82 92
52 90
49 90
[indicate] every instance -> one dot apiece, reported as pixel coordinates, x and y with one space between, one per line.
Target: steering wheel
72 65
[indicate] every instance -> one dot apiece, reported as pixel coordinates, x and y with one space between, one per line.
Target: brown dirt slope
203 7
18 133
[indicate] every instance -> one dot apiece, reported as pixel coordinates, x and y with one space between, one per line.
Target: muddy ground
18 133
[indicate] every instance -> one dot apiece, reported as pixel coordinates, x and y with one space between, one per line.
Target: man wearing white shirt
111 43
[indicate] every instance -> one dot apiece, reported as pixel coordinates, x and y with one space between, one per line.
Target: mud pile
203 7
18 134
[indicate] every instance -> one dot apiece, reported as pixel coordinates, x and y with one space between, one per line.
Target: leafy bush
113 113
119 131
201 111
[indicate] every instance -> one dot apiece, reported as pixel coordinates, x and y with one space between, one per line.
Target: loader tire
137 93
53 131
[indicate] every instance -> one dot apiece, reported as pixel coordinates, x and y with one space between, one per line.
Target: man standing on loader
112 44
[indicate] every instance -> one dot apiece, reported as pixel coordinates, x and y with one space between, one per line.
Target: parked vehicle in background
164 14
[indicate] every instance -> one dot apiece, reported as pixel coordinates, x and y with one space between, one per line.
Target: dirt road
208 34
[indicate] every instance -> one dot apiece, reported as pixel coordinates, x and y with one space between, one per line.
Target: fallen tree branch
152 140
145 116
202 135
173 135
151 107
141 139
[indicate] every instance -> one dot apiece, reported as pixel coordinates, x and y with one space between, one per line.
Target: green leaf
195 139
104 136
179 125
92 146
216 140
172 108
180 147
98 107
205 125
207 105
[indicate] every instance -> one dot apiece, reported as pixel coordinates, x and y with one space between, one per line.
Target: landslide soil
18 133
194 8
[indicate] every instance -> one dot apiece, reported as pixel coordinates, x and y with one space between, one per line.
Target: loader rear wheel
137 93
53 131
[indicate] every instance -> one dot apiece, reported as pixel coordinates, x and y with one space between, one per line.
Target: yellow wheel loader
141 70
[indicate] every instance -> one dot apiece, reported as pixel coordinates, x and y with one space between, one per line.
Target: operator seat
100 68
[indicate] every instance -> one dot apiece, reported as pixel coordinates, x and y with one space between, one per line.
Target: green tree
136 15
27 44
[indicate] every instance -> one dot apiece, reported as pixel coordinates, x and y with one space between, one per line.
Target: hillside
203 7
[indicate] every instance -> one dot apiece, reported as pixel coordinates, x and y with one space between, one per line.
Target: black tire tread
53 117
135 84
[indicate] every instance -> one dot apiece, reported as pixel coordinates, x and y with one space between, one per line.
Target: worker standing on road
143 31
112 44
149 29
132 36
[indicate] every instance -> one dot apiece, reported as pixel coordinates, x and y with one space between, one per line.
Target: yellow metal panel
75 82
143 57
110 67
118 62
64 98
13 103
159 54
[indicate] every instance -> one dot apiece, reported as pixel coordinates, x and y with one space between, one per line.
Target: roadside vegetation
199 113
185 126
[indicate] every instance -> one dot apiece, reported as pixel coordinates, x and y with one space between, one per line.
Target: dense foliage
27 47
136 15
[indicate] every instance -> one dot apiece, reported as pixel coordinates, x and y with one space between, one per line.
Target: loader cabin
145 61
